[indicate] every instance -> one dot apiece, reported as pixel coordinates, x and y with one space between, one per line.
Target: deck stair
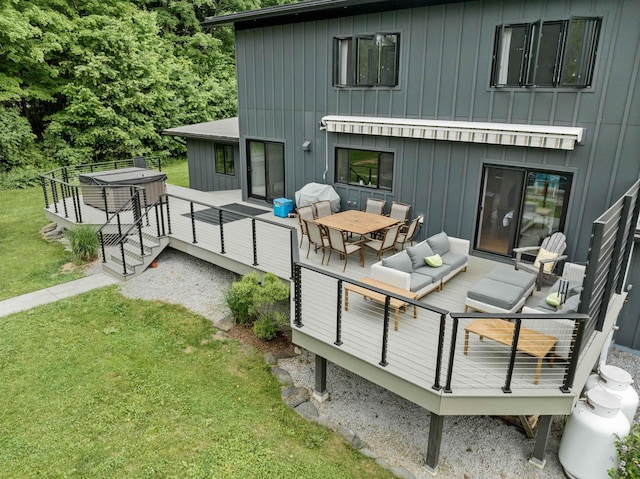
135 262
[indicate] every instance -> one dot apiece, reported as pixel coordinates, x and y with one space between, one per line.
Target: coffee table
395 303
531 342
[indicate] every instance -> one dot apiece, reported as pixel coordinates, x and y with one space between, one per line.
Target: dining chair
339 244
387 242
399 211
375 206
305 213
317 238
407 236
323 208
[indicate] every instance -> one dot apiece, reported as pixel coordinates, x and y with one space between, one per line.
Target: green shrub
628 455
270 319
240 298
84 242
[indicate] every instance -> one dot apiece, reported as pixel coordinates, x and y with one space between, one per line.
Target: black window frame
541 65
385 163
228 160
348 54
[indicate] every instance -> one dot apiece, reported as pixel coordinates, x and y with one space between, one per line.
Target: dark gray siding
202 169
285 88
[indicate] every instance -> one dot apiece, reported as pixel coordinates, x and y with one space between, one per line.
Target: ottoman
501 290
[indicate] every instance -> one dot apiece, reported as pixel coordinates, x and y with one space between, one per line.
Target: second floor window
558 53
366 60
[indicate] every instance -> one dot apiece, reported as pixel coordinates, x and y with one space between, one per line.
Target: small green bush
84 242
269 321
240 298
628 449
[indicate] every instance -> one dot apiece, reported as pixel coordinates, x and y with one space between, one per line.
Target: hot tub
111 190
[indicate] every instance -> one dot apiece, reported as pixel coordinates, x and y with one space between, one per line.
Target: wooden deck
477 378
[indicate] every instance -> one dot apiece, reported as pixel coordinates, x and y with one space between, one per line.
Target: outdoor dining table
356 222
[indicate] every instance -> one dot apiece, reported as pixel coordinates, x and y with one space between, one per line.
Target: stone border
300 400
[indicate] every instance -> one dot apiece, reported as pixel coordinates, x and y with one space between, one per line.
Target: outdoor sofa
410 271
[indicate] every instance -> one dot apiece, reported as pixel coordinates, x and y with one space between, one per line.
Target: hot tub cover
123 176
312 192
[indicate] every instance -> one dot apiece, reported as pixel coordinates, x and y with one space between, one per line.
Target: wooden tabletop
357 222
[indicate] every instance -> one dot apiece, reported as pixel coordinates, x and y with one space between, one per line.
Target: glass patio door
520 207
265 170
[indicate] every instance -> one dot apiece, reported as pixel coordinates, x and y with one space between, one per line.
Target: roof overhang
535 136
224 130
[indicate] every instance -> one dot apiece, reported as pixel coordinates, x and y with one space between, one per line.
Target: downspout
323 126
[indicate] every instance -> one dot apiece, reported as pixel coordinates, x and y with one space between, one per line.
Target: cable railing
64 194
434 348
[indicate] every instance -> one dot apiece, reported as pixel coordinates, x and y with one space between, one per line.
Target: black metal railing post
452 352
104 253
570 371
297 299
193 223
436 384
156 206
168 218
144 195
338 341
255 241
512 359
124 262
44 191
220 222
54 193
104 199
76 191
385 331
63 190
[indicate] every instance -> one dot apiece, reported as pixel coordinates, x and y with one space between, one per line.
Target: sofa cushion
418 253
513 277
400 261
454 260
433 261
439 243
495 293
435 273
419 281
544 254
570 305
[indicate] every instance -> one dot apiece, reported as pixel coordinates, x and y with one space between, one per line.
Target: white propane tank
587 448
616 381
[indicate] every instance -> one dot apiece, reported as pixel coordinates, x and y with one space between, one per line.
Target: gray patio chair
340 245
305 213
317 238
407 236
548 256
375 206
399 211
322 208
387 242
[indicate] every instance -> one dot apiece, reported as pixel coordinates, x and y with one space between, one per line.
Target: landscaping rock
270 359
282 376
225 324
401 473
307 410
351 437
294 396
366 452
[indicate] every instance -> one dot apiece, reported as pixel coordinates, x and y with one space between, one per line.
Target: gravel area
473 447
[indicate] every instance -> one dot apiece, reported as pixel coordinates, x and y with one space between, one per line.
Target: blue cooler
282 207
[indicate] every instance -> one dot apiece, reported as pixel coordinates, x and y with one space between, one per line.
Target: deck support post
542 437
320 392
435 439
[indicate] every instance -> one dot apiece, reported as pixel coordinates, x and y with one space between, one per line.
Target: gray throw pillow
400 262
439 243
418 253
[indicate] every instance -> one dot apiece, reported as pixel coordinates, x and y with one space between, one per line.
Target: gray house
501 122
212 154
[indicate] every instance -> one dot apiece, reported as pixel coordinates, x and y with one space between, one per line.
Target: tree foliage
93 80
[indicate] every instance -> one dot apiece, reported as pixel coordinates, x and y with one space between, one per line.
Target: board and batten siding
285 88
202 167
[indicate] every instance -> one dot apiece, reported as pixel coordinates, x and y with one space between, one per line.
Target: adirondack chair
548 256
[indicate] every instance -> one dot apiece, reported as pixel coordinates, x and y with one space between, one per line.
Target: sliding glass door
265 169
520 207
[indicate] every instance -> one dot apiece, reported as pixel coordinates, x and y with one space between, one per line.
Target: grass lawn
103 386
177 173
29 262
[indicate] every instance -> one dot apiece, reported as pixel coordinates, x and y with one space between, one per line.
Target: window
366 60
546 54
224 159
372 169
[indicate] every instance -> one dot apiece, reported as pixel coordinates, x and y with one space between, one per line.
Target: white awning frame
535 136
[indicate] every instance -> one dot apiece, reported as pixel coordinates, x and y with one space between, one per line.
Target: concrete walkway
55 293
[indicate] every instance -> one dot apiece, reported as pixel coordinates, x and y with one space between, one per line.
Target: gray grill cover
312 192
